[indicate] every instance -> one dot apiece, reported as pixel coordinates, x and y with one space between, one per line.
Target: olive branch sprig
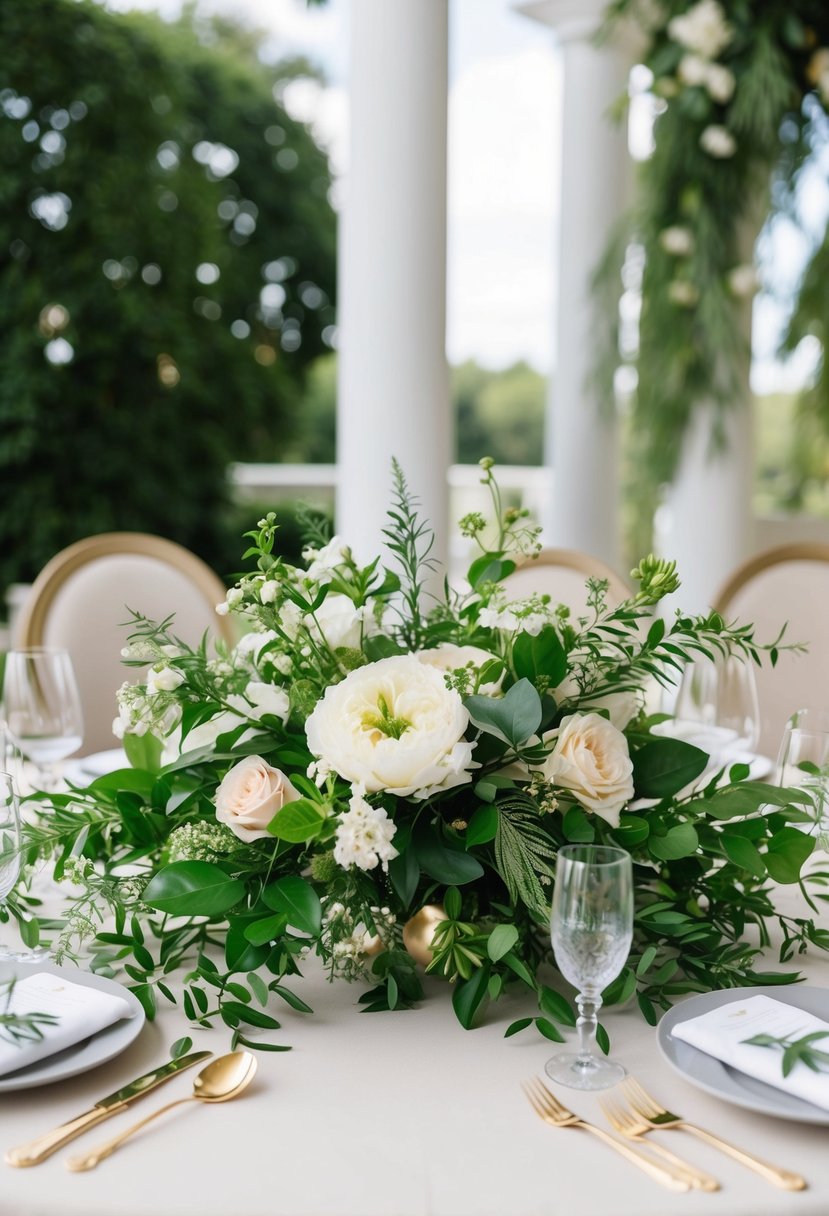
19 1028
796 1050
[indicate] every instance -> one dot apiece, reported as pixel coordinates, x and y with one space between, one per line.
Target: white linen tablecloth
401 1114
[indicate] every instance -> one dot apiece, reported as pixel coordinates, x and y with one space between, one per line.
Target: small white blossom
720 83
364 835
703 28
235 596
223 608
269 591
693 70
718 142
164 679
677 240
283 663
683 293
323 562
743 281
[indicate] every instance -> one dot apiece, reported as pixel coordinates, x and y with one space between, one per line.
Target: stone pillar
393 390
581 441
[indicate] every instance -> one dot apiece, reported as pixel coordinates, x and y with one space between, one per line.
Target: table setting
417 893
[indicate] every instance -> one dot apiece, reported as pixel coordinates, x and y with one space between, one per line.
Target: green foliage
695 219
796 1051
134 154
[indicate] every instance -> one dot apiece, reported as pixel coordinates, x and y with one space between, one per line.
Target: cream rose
448 657
251 796
591 759
392 725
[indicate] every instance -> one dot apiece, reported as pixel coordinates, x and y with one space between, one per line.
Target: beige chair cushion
82 599
562 574
791 585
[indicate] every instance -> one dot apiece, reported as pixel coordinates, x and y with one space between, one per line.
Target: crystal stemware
717 707
43 708
592 929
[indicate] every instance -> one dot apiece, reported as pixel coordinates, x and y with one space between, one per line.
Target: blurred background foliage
167 258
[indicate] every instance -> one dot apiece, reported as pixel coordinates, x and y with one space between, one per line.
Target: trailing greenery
796 1051
365 759
739 90
19 1028
167 267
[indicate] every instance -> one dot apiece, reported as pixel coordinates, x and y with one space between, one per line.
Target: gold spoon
221 1080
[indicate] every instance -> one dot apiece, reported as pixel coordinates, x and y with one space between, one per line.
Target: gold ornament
419 932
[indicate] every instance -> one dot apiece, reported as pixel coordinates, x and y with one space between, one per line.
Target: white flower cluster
364 835
141 710
703 29
528 615
705 33
201 841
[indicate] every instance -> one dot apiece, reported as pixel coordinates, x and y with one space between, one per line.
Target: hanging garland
741 91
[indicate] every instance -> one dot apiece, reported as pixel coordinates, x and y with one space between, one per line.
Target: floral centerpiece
384 777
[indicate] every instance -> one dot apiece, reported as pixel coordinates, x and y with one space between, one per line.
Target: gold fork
551 1111
634 1127
657 1116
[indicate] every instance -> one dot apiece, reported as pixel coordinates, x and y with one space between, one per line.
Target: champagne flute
43 708
803 763
592 929
11 846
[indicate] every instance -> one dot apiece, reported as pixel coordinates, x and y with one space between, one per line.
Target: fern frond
524 853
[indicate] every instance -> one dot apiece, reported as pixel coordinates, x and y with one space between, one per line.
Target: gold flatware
633 1127
223 1078
44 1146
551 1111
657 1116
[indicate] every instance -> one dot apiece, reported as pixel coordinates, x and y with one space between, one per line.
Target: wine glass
43 708
11 846
592 929
717 707
803 763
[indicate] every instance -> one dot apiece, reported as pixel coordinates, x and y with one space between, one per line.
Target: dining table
399 1113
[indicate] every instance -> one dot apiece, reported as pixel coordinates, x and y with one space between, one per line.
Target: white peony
677 241
392 725
718 142
338 620
448 657
591 759
703 28
251 796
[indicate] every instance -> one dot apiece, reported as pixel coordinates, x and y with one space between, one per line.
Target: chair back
562 574
83 597
786 585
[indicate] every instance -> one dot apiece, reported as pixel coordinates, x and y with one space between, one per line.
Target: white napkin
80 1011
721 1032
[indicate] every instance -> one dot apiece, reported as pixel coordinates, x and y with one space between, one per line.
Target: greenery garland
385 779
740 91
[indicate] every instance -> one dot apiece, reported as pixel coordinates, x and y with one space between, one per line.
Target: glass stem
586 1024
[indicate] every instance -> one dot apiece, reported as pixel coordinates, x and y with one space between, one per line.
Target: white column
581 441
705 519
393 391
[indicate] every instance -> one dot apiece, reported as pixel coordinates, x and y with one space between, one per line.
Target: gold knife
38 1150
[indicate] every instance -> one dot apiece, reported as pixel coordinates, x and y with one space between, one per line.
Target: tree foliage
166 273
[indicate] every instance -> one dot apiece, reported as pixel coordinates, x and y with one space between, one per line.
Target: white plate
89 1053
728 1083
98 764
